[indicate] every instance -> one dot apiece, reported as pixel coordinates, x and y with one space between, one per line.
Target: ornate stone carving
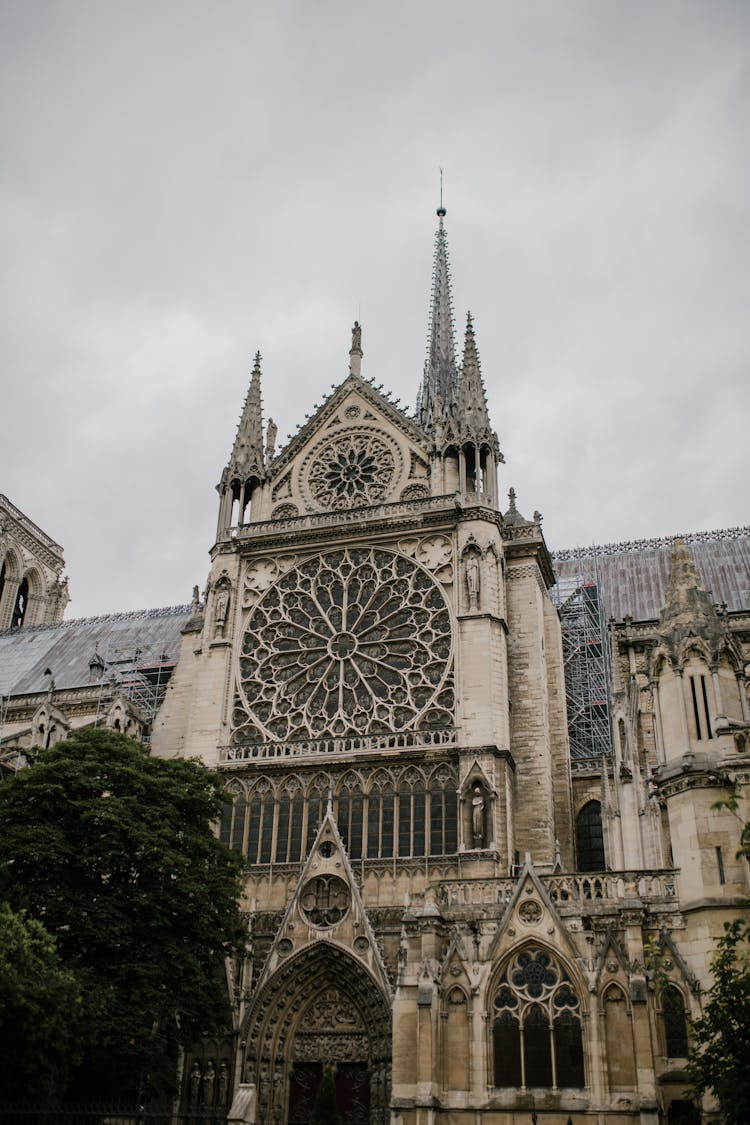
284 512
414 492
350 643
325 900
530 912
434 552
261 574
351 469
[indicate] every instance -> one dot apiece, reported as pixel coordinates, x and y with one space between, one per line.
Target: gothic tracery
348 643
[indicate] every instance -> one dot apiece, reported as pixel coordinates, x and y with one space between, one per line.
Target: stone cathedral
447 901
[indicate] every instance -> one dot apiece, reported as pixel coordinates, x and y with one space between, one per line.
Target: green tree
719 1058
112 850
325 1110
40 1005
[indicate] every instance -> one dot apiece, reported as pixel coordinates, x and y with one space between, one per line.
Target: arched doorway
321 1007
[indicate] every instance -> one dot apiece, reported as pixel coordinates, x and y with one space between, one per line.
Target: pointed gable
326 905
358 449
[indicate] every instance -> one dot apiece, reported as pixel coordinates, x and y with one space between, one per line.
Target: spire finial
247 454
471 400
441 209
440 369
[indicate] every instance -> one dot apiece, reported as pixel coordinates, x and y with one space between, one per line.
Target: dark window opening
568 1050
720 865
507 1050
238 828
590 838
22 604
701 713
675 1023
537 1056
705 704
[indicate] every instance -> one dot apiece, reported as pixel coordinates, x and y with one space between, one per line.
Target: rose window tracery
354 642
350 470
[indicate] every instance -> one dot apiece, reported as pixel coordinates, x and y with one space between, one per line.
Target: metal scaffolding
586 664
140 679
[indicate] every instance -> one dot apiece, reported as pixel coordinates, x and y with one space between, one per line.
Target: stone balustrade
613 886
323 747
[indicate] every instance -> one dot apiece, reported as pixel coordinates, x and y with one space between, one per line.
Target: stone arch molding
321 1005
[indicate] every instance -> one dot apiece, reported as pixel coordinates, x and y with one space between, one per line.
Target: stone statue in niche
223 1083
195 1082
221 608
477 816
473 578
209 1077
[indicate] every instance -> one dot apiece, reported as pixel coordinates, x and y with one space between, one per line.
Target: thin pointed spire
247 453
440 369
471 401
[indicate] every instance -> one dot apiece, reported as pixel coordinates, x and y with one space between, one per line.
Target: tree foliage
719 1059
40 1004
112 850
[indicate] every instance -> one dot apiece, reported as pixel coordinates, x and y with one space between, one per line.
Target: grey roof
124 641
632 577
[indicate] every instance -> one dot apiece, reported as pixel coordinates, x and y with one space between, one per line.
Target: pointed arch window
675 1023
316 810
289 828
349 820
590 838
260 826
232 825
443 814
537 1033
21 606
411 817
380 809
3 572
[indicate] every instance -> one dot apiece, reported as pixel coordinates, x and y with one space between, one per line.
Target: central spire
440 371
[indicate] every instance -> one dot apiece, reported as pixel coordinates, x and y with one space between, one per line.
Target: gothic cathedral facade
439 905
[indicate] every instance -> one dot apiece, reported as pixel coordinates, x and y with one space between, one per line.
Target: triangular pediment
326 906
358 449
531 915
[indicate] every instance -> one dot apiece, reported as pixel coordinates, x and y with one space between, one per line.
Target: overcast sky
184 183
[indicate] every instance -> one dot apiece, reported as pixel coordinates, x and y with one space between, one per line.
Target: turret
242 480
452 402
700 725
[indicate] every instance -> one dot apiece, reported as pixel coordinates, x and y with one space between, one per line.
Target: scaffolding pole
586 665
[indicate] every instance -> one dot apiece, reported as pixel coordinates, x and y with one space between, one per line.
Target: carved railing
324 747
356 516
657 543
612 886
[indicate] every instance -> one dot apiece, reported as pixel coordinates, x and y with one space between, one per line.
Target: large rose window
351 470
349 643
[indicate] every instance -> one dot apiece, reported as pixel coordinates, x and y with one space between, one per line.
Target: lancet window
675 1022
590 838
380 813
21 606
406 814
289 828
537 1035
